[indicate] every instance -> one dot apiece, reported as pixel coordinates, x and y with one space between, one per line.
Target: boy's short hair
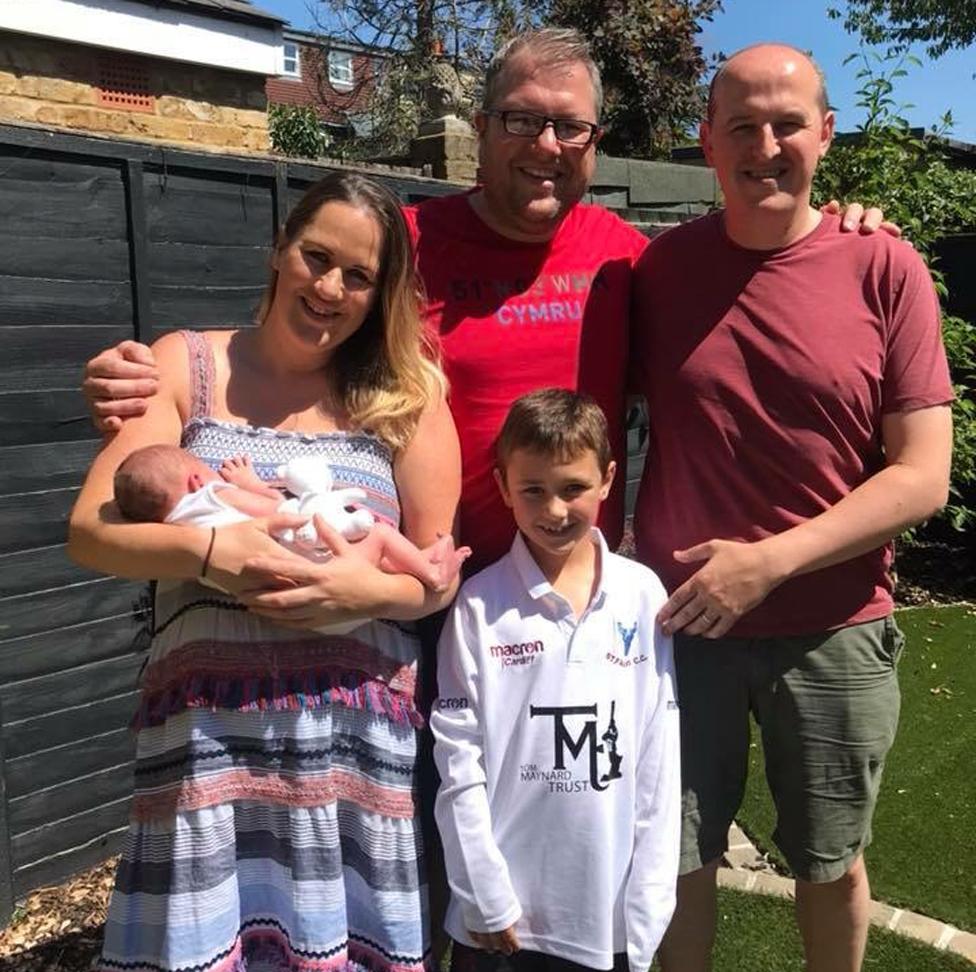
554 422
144 482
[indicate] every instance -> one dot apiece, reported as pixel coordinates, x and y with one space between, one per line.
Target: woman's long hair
388 371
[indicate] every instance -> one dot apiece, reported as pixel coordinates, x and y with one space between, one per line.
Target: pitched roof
224 9
311 38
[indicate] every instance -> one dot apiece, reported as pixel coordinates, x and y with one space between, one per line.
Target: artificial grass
757 933
923 856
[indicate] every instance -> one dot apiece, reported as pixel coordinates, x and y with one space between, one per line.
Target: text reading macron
526 648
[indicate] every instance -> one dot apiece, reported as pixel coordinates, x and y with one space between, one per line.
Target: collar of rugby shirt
535 581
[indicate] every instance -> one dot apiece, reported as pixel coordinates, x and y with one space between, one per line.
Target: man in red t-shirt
797 391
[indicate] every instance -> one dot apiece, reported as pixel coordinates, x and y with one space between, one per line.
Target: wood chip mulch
59 929
935 572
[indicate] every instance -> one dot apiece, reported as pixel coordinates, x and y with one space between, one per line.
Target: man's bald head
745 63
768 130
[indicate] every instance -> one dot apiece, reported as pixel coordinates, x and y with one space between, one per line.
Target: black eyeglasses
527 124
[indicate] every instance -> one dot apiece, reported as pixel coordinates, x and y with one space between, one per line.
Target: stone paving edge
745 869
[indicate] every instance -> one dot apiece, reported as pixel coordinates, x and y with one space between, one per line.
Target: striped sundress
273 824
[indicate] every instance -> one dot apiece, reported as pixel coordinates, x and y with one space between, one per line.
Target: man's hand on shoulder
117 382
854 216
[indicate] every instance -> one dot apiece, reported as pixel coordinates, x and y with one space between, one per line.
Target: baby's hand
505 941
238 471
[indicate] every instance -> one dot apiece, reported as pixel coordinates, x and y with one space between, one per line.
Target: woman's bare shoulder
172 355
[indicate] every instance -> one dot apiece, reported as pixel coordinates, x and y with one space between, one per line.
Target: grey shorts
827 706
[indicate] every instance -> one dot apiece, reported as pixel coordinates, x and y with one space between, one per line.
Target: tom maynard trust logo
583 758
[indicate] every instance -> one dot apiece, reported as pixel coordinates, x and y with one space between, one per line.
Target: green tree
941 24
908 174
651 65
466 31
294 130
413 34
652 68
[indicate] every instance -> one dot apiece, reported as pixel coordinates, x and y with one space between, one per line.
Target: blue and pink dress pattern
273 823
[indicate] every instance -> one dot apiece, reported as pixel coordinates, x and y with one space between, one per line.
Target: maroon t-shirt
767 375
514 317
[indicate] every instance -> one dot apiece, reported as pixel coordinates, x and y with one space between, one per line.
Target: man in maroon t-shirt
797 391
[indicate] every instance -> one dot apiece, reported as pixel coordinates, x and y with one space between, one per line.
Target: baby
166 484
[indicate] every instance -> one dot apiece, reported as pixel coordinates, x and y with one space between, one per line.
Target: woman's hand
234 546
299 593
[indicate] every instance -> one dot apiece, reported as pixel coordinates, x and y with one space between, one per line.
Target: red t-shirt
767 375
514 317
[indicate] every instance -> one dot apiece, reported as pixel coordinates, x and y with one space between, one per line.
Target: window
290 64
340 70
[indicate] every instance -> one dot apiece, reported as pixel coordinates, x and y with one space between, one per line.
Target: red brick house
337 78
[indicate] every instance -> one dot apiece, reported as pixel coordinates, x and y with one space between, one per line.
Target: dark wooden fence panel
29 736
53 868
63 464
31 614
957 257
65 257
32 812
29 776
53 415
70 831
208 247
19 571
49 357
102 240
63 690
36 654
59 196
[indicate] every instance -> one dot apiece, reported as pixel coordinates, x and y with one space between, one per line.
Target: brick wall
64 85
313 87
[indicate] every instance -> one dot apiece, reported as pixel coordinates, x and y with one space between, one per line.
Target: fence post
6 860
279 198
135 218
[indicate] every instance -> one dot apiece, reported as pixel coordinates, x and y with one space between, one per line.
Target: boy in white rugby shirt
556 729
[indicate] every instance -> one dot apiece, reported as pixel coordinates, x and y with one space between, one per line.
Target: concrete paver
747 870
964 944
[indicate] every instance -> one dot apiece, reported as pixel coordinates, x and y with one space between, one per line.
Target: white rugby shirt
557 745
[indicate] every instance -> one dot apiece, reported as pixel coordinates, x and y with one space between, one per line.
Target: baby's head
152 480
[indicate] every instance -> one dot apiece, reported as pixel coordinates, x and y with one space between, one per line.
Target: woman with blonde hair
273 822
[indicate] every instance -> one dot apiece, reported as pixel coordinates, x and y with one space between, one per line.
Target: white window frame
296 60
342 75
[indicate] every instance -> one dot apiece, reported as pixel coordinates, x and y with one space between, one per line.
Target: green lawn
924 851
756 933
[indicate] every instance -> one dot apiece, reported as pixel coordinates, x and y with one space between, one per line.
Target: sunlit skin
555 504
326 284
764 140
528 185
